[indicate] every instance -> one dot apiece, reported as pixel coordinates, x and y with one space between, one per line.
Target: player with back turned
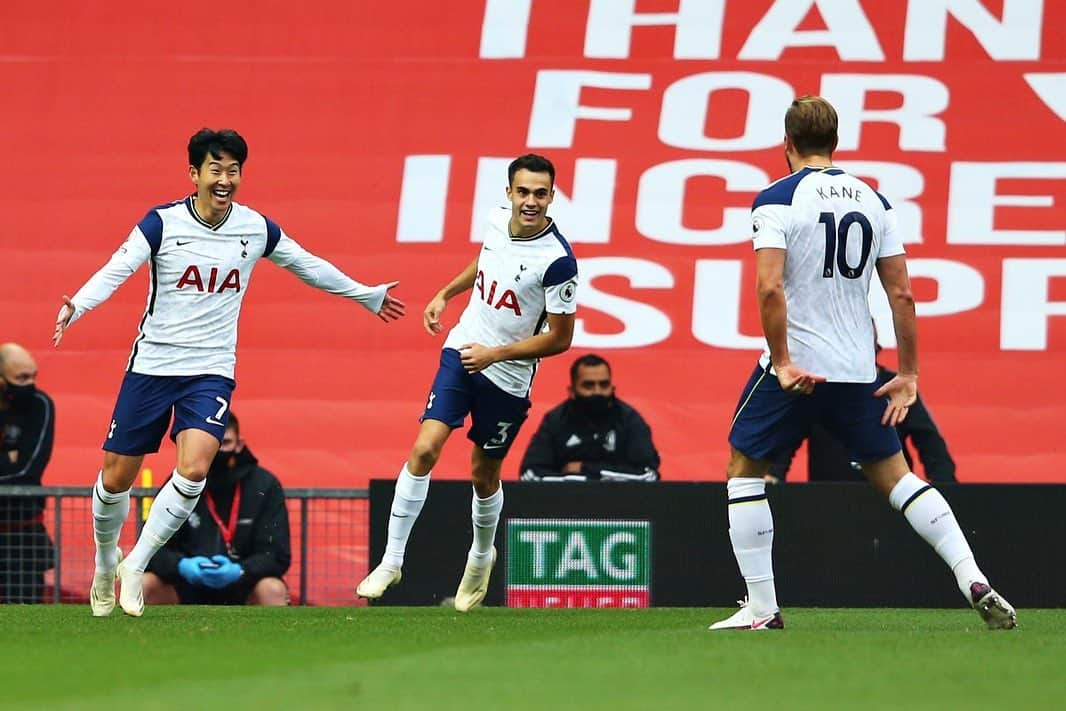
819 234
201 251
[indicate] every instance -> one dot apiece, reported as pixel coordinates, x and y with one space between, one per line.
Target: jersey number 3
836 244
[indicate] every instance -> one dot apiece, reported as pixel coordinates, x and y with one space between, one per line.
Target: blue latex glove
227 573
192 569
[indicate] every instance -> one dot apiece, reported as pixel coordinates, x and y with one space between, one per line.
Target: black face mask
222 466
18 395
593 405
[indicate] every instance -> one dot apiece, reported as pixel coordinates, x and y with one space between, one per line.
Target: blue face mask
18 396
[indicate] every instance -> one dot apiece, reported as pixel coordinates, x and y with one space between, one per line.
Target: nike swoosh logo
404 516
182 244
493 446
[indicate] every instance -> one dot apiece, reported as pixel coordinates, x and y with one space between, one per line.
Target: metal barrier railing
328 532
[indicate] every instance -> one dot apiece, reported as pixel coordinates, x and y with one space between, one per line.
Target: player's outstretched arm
435 308
902 390
476 357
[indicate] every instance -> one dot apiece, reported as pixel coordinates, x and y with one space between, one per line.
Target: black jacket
616 447
828 460
262 536
26 435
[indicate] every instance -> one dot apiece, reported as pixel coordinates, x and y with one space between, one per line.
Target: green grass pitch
434 658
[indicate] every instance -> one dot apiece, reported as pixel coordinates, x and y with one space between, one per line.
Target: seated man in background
828 460
27 428
592 436
234 548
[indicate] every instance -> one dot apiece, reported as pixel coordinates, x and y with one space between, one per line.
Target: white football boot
380 579
102 593
130 590
997 613
745 619
474 585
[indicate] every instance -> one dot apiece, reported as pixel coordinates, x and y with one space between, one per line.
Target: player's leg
138 423
877 448
766 420
271 592
157 592
200 415
446 407
497 417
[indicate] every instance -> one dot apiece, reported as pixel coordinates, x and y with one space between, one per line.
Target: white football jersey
520 280
834 228
198 276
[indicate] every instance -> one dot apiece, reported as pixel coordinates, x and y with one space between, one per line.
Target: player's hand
476 357
795 380
431 316
66 311
391 308
902 391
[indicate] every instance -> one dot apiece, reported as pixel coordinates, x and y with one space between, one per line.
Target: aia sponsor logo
507 298
193 279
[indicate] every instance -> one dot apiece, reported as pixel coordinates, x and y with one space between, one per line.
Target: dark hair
234 424
207 140
811 123
533 163
589 360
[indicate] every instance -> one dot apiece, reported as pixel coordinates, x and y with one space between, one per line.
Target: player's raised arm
317 272
902 390
435 308
134 252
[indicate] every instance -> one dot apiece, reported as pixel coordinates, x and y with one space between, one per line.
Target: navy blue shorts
496 415
146 402
768 419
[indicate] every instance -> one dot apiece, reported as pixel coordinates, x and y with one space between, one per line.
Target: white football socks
407 501
109 513
485 515
751 531
932 518
172 506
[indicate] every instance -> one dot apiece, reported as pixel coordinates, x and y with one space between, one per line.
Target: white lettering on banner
687 103
1051 88
584 216
898 183
698 33
973 199
504 29
1026 308
643 325
661 201
576 556
923 98
847 29
1015 37
716 305
540 541
628 569
423 195
557 103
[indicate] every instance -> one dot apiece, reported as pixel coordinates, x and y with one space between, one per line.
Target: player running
818 235
522 305
201 251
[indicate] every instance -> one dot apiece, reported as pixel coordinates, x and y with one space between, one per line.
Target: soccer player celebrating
818 236
201 251
524 278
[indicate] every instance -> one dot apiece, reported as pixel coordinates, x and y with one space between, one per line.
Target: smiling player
523 280
201 252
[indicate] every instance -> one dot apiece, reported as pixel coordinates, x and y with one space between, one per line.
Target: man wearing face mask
592 436
234 547
27 427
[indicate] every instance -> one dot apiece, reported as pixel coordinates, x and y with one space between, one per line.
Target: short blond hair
811 123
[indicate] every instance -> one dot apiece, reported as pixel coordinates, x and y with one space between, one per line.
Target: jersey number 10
836 243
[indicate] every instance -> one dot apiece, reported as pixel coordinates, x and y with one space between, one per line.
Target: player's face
592 380
530 194
216 183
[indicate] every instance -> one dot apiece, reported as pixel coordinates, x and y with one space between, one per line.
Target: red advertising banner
379 132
